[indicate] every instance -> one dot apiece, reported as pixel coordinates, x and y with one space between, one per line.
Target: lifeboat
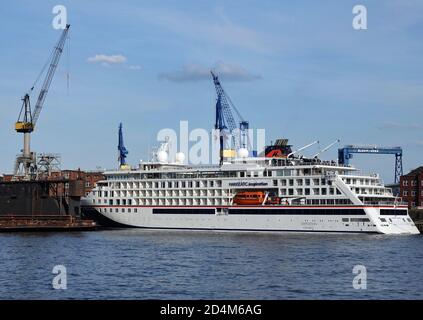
249 198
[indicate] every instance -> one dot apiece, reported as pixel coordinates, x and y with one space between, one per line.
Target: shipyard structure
38 195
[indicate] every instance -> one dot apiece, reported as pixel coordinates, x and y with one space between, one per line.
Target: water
139 264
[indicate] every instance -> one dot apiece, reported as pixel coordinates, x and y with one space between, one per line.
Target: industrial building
411 188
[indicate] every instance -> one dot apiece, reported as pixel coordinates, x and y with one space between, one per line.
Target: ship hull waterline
351 219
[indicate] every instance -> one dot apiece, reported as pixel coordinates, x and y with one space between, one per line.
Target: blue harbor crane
225 120
346 153
123 152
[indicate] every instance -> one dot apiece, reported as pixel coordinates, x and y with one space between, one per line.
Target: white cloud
107 59
194 72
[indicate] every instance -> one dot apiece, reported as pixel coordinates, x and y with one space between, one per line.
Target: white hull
264 219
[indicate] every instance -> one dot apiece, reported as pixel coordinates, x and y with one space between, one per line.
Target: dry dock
42 205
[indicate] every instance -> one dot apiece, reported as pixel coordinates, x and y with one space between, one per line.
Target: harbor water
140 264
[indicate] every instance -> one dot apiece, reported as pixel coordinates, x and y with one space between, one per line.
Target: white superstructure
311 195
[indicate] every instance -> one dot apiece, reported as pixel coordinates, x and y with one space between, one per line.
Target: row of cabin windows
281 173
307 191
325 201
306 182
212 184
128 202
171 184
174 175
360 181
123 210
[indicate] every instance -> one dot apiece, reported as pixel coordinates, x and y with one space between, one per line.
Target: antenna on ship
326 148
302 148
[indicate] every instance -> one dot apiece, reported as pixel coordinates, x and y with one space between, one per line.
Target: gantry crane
225 120
346 153
26 162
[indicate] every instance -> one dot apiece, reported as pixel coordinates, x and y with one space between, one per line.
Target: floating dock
42 205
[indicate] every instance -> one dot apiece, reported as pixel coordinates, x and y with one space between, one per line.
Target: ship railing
320 163
385 203
360 173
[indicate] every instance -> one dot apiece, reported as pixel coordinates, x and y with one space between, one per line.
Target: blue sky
296 68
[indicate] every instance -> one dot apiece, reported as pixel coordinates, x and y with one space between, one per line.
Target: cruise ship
277 191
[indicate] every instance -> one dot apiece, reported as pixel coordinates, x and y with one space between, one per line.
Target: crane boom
226 121
25 164
50 74
123 152
224 101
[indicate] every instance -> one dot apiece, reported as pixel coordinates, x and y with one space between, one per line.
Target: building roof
416 171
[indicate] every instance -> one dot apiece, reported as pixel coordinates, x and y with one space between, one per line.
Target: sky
296 68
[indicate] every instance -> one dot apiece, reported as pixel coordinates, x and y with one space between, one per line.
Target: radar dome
162 156
180 157
243 153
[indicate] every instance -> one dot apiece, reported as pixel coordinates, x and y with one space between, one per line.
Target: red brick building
411 188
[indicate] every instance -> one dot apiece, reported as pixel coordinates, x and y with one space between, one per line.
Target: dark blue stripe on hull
269 211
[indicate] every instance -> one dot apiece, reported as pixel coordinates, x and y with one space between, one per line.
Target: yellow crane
26 161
